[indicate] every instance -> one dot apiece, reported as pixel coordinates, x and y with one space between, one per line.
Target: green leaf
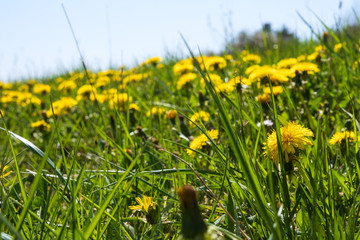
37 151
10 227
113 231
340 179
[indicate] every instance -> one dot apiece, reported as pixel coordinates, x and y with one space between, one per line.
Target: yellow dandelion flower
160 66
276 90
250 69
227 87
341 136
267 72
102 81
41 89
119 100
262 72
110 93
185 79
228 57
244 52
286 63
3 172
183 66
252 58
23 88
25 99
106 73
214 63
355 65
148 207
67 86
301 58
215 79
293 137
198 117
241 80
199 142
171 114
134 107
313 56
286 72
62 106
338 47
155 111
42 125
278 78
31 82
308 67
263 98
9 96
135 77
320 48
59 80
101 98
152 60
143 204
86 92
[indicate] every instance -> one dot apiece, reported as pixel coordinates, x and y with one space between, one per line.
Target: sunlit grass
268 137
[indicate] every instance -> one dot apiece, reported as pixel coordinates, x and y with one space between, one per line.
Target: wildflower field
268 137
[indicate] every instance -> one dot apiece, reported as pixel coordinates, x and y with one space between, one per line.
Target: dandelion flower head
144 204
263 98
198 117
293 137
287 63
42 125
215 79
308 67
41 88
185 79
199 142
4 174
67 86
155 111
341 136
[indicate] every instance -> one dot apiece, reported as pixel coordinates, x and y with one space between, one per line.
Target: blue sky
36 39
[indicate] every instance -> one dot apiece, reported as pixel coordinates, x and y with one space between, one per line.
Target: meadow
268 138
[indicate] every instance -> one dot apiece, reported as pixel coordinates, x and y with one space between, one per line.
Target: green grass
77 180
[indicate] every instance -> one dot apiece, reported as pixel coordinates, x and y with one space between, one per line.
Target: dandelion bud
140 132
201 99
152 216
129 152
318 59
183 127
325 36
172 115
113 125
42 105
238 88
298 78
192 224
